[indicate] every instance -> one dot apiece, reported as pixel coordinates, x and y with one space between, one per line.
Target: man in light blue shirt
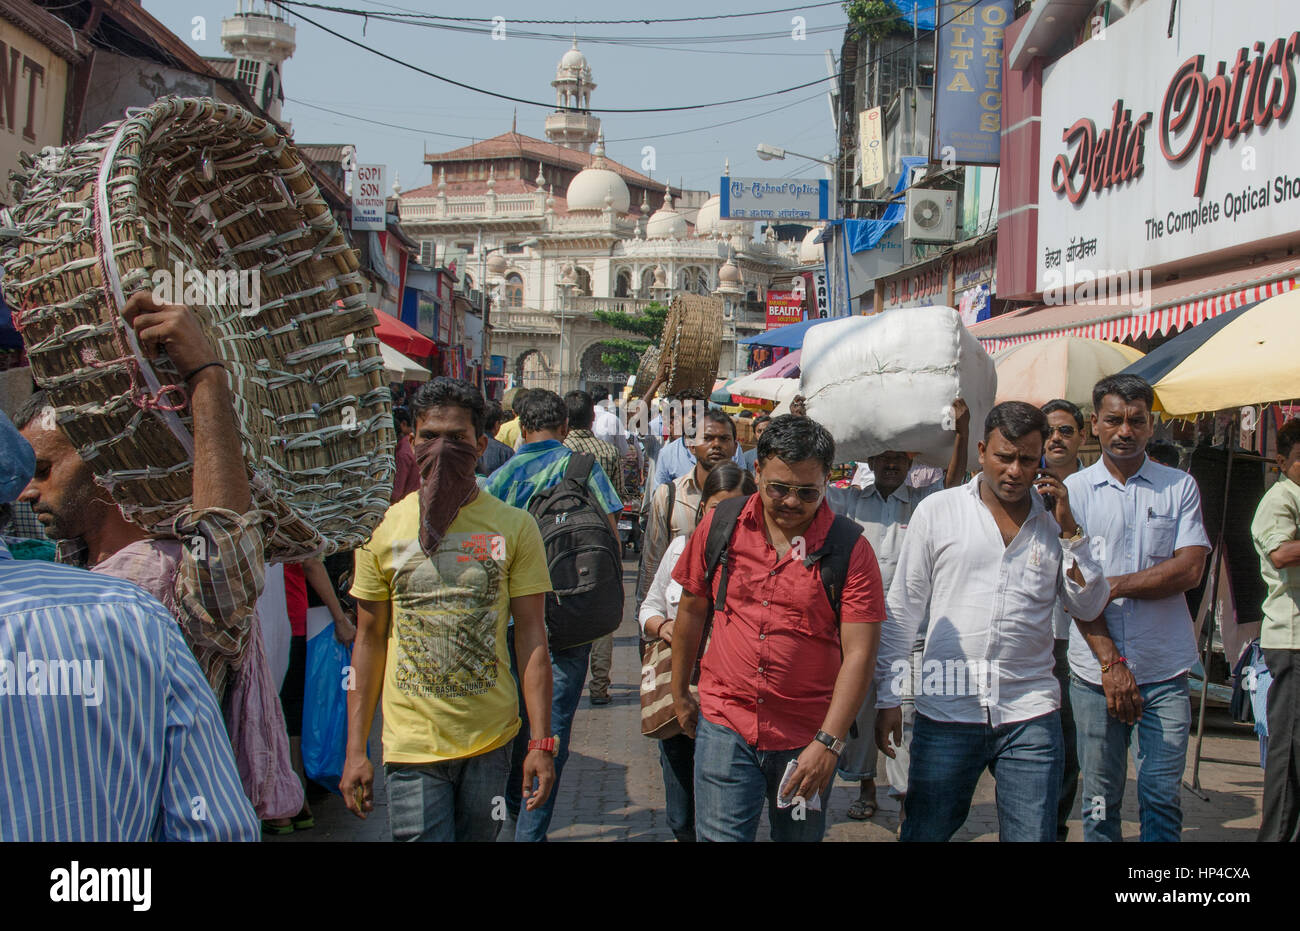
1129 667
676 458
108 729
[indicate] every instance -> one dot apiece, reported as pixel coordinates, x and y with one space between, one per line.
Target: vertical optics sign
968 84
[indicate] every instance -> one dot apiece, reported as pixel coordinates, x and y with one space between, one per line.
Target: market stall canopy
789 336
1245 356
766 389
721 391
401 368
1061 367
785 367
402 337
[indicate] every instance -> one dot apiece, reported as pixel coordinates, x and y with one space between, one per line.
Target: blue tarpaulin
862 235
789 336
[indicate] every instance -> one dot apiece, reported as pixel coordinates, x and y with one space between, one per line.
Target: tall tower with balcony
260 40
572 125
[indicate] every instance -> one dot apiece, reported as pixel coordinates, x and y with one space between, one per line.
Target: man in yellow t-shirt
431 630
510 432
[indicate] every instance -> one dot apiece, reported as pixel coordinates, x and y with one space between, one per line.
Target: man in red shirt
783 677
407 478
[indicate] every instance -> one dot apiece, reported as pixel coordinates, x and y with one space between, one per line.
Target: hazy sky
689 146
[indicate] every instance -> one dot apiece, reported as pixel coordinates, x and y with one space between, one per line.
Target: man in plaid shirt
582 414
211 581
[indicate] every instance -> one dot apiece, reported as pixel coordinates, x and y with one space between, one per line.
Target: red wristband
1106 667
550 744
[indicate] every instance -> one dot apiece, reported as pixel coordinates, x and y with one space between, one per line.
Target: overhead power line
285 4
593 22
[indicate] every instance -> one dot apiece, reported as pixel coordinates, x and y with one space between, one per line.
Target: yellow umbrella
1042 370
1245 356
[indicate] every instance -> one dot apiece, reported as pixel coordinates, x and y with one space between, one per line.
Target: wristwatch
834 744
1078 535
550 744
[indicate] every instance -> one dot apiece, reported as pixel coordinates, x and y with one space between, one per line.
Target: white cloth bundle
887 382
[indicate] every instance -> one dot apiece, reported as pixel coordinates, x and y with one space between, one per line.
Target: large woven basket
218 190
692 342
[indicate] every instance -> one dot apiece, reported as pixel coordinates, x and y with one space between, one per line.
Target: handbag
658 715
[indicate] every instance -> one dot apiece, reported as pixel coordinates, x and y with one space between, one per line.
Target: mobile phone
1049 499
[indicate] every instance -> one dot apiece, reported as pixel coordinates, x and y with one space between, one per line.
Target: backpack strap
579 467
834 556
725 518
672 504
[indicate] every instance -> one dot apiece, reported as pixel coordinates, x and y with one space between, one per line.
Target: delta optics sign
1158 149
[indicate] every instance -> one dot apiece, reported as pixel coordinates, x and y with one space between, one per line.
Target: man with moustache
985 564
674 504
211 588
1066 433
1129 667
436 587
785 672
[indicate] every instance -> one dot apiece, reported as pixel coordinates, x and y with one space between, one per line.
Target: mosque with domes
556 230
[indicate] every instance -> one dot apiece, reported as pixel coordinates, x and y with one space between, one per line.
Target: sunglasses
1065 430
779 491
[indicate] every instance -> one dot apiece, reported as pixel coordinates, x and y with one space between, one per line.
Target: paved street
612 788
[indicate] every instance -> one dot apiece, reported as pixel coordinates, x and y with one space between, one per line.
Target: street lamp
770 152
568 281
497 266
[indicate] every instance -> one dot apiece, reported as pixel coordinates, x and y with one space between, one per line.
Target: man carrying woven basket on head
209 573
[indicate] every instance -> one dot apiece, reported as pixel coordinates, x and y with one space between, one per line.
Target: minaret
260 40
572 125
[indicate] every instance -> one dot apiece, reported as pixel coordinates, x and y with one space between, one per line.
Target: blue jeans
457 800
1025 757
1160 757
677 759
568 673
732 780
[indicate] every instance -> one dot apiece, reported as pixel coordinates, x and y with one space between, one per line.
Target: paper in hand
783 800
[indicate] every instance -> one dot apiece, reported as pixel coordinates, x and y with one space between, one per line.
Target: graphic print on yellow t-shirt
447 643
448 692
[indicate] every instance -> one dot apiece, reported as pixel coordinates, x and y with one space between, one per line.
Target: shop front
1163 188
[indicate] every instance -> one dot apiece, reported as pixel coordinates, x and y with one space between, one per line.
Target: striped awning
1173 306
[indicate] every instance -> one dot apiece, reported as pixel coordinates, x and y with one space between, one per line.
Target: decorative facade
556 232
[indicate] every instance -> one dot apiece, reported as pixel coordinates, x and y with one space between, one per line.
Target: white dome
666 223
810 251
573 60
729 273
589 188
709 222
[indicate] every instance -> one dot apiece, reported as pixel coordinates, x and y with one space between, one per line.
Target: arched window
623 284
647 282
584 282
514 290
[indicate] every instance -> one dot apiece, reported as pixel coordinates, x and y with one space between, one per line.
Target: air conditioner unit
931 215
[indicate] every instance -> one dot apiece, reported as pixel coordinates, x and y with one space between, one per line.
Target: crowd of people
1021 615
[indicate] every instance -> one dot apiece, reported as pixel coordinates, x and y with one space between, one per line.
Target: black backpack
832 559
583 556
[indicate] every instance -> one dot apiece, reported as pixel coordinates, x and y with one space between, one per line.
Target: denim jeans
1070 777
568 673
948 759
732 780
457 800
677 759
1160 756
